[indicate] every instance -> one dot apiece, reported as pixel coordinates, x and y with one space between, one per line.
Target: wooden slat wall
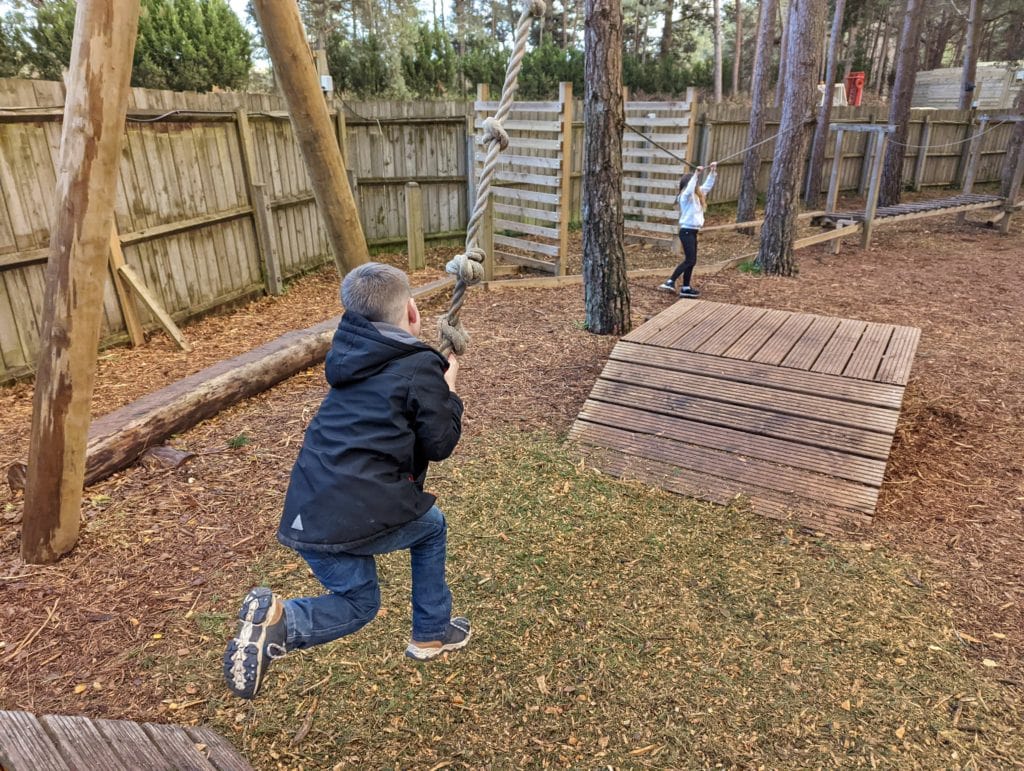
528 176
727 128
650 174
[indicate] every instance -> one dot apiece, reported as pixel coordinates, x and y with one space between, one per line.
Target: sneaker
256 643
668 286
689 291
455 637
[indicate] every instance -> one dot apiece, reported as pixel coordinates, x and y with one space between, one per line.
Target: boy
356 489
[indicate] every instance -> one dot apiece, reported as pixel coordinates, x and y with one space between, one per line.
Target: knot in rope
495 132
468 266
538 7
453 335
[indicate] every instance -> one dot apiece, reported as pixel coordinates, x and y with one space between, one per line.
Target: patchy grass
618 626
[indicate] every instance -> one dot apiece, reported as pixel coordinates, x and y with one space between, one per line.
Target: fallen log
117 439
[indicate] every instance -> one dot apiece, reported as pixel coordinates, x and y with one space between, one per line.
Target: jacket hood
360 350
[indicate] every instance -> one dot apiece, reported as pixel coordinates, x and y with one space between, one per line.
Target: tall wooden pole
972 42
311 122
718 49
90 151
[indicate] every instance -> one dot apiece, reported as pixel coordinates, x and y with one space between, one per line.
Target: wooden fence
214 198
936 156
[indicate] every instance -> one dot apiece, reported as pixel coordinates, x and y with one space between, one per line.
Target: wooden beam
414 227
565 188
973 160
182 226
129 310
286 43
264 218
133 280
253 187
97 100
922 154
881 140
835 176
828 235
117 439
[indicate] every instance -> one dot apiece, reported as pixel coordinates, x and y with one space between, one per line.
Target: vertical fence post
880 140
265 225
867 162
341 126
565 191
125 298
414 226
974 160
258 200
922 153
487 239
836 176
965 152
705 140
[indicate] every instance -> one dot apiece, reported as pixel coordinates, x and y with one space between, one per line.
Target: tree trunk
737 54
848 52
90 152
717 6
311 124
807 19
666 30
604 260
972 39
812 188
747 205
883 58
784 27
1015 147
899 106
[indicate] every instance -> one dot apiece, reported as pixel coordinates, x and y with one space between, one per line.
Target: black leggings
685 268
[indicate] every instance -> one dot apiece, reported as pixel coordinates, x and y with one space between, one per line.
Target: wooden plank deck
795 411
65 743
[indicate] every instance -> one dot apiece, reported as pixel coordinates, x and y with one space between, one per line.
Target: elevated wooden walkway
957 204
795 411
65 743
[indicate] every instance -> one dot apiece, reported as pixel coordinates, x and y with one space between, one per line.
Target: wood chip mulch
77 636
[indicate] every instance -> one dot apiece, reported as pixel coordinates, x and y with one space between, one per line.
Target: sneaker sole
414 651
426 654
671 290
251 633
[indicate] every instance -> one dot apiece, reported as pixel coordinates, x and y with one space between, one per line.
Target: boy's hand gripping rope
468 267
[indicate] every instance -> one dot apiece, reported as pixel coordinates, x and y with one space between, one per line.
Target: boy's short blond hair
376 291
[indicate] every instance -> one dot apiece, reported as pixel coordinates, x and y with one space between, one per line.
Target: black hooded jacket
364 459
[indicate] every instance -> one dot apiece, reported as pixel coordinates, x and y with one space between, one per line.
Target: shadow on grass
615 625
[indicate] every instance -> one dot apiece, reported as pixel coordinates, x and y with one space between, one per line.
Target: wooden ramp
795 411
64 743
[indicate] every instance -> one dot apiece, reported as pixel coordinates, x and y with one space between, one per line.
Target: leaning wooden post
836 175
974 160
414 226
881 139
565 191
922 154
90 152
867 161
311 123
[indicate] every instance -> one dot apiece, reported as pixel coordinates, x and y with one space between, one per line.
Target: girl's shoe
668 286
456 636
689 291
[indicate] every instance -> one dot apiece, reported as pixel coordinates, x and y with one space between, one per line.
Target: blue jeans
353 598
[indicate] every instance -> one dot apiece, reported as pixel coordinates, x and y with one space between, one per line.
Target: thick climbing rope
468 267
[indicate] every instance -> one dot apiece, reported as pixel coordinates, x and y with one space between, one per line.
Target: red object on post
854 88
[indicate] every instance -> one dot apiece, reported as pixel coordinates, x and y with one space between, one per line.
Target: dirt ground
76 636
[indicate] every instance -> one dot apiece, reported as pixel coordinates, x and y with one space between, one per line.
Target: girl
692 203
